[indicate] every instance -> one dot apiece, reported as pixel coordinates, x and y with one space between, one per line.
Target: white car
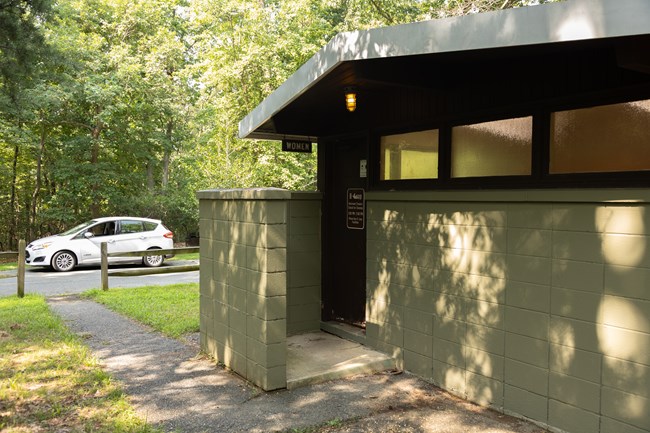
81 244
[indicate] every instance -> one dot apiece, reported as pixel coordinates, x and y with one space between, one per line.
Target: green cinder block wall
304 264
536 303
259 278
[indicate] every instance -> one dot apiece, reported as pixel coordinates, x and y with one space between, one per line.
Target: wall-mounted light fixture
350 98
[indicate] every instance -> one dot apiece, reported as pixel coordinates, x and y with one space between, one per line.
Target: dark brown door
344 259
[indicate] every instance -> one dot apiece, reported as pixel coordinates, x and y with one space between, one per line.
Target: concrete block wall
536 303
244 277
304 264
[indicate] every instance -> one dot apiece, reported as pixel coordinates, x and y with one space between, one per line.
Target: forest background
129 107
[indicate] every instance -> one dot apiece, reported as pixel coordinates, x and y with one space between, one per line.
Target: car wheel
153 261
64 261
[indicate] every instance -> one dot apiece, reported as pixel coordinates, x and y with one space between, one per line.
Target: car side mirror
88 235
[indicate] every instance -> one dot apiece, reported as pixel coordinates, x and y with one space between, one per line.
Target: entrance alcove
260 304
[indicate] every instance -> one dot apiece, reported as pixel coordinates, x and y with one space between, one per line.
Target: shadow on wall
623 313
517 306
441 284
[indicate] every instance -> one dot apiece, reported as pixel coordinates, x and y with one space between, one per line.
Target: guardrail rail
19 256
148 271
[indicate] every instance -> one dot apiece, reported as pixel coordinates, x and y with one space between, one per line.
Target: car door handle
112 241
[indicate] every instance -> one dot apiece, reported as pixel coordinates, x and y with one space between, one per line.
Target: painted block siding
247 291
304 264
536 303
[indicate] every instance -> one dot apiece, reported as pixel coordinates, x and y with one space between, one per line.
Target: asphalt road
50 283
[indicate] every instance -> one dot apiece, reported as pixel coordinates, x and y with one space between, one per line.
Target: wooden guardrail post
104 252
20 277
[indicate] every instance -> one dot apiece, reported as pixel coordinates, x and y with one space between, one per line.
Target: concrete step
318 357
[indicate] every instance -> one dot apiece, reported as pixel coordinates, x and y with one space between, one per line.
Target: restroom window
497 148
607 138
413 155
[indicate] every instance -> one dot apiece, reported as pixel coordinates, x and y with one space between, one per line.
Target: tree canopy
131 106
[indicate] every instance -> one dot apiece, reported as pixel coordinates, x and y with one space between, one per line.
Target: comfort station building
482 215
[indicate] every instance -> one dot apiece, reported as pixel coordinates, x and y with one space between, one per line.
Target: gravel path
169 385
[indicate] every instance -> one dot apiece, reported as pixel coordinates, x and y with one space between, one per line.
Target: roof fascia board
571 20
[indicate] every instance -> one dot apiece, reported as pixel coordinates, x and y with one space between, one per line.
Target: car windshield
77 228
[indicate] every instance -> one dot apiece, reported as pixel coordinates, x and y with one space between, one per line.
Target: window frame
380 157
575 109
128 222
617 179
474 179
147 224
374 160
540 176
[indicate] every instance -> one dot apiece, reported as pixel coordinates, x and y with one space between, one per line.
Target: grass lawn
186 256
172 310
48 379
8 266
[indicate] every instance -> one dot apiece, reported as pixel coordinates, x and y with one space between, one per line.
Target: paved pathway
172 387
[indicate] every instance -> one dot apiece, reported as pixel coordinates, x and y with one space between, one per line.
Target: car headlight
42 246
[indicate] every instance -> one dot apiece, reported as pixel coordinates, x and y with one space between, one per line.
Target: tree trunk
37 187
13 212
165 175
167 155
94 159
150 180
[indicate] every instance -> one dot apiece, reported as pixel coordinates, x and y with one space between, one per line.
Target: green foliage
132 106
20 39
